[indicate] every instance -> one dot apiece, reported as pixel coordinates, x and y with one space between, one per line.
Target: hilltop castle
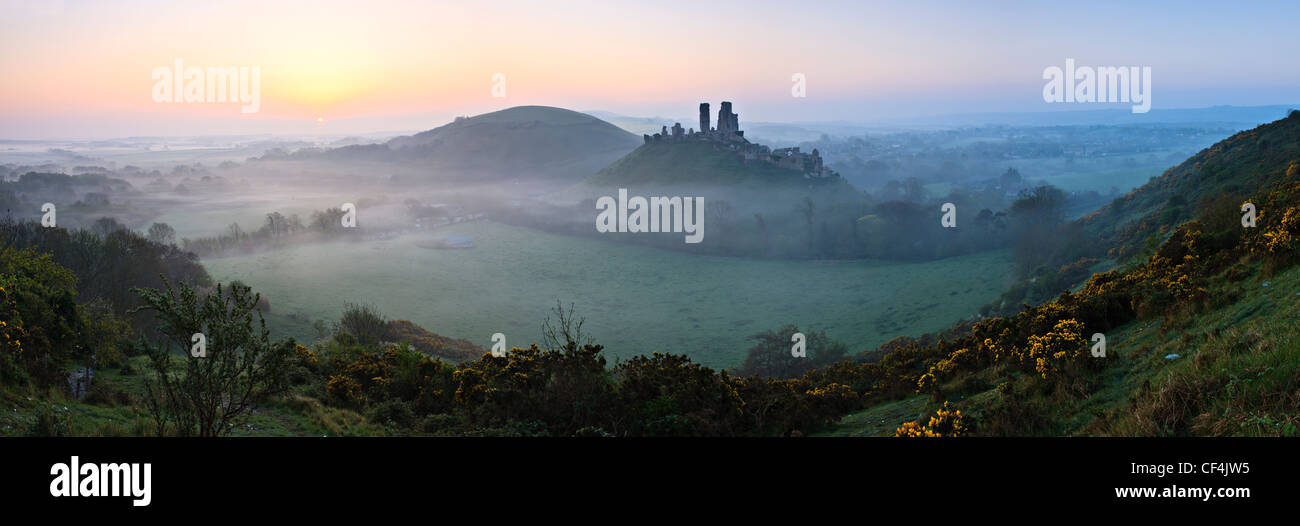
728 135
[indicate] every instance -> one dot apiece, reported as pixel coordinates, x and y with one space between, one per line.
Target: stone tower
704 117
724 120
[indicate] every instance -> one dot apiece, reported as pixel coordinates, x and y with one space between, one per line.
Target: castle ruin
727 135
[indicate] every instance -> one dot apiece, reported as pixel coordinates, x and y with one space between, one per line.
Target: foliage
771 356
210 394
363 322
561 390
667 395
109 264
946 422
41 317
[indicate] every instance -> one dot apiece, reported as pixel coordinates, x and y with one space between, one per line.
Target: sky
85 69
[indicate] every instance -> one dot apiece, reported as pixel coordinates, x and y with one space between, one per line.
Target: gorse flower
944 423
1284 238
1059 349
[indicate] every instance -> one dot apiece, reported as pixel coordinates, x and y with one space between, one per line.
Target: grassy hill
536 141
698 163
697 168
524 142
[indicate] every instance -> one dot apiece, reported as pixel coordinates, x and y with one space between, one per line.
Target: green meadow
635 299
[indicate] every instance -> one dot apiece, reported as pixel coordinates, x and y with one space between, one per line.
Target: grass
880 420
635 299
118 410
1125 172
28 412
1237 373
1238 370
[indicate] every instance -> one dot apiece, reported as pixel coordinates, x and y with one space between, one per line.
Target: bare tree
162 233
565 332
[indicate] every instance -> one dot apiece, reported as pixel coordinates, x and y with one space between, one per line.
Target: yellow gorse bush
957 360
945 422
1060 349
1285 237
305 354
12 330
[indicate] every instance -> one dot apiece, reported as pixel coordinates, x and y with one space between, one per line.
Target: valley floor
636 299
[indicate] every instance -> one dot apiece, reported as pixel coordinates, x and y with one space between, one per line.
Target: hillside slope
1229 172
693 162
699 168
1233 370
1201 334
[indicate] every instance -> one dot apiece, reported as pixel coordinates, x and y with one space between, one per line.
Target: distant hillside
1231 170
536 142
1243 116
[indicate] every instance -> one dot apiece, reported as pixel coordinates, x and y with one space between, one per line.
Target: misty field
214 214
635 299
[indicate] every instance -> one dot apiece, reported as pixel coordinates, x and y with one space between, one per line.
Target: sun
320 120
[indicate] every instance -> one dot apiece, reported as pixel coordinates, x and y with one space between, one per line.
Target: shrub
1059 352
1282 239
209 395
364 323
946 422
